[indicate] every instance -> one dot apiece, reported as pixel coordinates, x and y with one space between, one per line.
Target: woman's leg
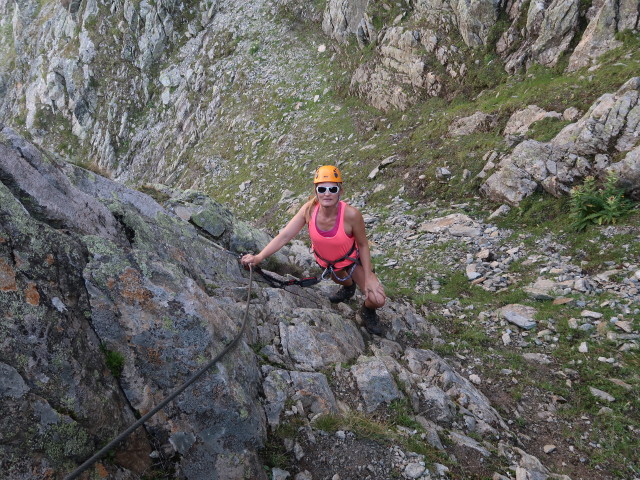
346 291
375 296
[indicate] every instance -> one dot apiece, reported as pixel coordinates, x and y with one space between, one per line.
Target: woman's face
328 193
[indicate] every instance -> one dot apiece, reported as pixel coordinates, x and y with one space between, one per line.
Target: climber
339 244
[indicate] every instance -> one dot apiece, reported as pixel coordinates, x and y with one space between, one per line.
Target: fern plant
601 206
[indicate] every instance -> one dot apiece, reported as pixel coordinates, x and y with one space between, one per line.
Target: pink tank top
333 244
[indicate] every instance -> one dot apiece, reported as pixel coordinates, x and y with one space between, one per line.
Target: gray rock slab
47 192
375 382
519 315
541 289
465 441
316 338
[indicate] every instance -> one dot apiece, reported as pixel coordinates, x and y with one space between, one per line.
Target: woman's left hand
374 291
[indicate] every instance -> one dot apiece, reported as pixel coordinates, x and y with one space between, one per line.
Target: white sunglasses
334 189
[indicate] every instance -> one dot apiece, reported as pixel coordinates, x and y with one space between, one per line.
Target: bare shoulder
352 214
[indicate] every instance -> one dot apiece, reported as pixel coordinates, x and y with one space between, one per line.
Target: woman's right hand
250 259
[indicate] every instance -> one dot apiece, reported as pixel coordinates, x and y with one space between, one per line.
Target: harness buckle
327 271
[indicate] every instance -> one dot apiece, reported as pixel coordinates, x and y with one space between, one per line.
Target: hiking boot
370 320
343 294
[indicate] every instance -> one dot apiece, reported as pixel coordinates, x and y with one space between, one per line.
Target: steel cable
171 396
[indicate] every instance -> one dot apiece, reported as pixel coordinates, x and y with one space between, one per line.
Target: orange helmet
327 173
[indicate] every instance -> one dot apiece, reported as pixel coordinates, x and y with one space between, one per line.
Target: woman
339 244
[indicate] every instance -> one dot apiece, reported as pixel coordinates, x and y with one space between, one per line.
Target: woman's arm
355 220
284 236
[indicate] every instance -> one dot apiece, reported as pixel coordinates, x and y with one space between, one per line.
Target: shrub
601 206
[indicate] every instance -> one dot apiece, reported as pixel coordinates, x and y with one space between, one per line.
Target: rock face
473 19
549 29
143 89
133 86
540 34
71 289
59 403
401 71
342 18
49 192
580 149
612 17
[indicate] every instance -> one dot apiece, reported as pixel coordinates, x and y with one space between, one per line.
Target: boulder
611 123
476 123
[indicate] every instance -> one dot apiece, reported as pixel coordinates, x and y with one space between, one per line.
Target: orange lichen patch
131 287
3 240
7 277
153 354
48 474
31 294
178 255
101 470
50 259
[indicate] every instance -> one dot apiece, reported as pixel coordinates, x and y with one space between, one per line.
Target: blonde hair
311 204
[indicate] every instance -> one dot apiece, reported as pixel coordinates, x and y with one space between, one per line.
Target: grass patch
383 431
274 453
114 360
546 129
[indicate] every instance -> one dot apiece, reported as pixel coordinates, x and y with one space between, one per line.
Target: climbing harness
230 346
330 270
